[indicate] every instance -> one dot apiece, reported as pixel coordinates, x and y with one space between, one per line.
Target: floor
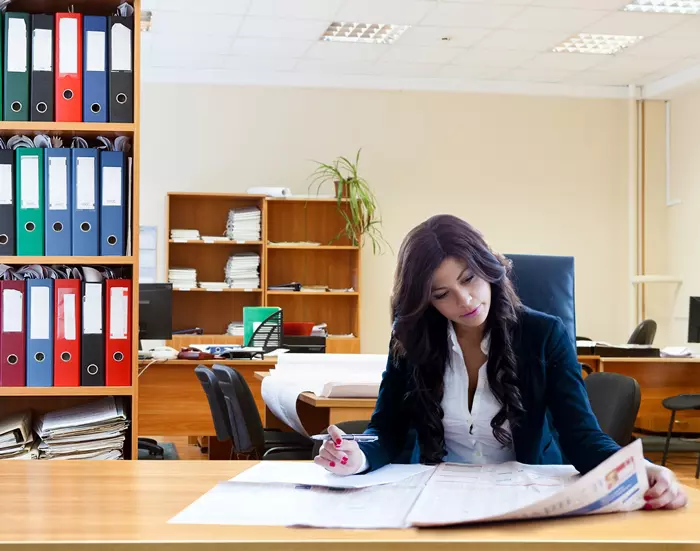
682 463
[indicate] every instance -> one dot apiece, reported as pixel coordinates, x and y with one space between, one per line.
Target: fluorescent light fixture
606 44
687 7
371 33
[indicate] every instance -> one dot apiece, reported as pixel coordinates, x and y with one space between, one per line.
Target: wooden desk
660 378
317 413
62 505
172 402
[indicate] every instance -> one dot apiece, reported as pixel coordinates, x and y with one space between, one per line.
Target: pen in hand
355 437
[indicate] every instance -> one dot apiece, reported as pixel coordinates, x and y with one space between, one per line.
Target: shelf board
202 242
656 279
73 128
315 247
66 391
69 260
313 293
198 290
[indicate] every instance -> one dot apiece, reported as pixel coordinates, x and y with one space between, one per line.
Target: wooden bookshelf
289 226
44 399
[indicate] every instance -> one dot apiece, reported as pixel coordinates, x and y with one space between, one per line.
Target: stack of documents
244 224
183 278
184 235
16 437
287 493
235 329
95 430
213 285
243 271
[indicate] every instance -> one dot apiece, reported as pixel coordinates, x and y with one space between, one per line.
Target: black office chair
152 447
615 400
249 439
681 402
349 427
644 333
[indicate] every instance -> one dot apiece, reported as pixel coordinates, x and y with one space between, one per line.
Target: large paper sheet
447 495
326 375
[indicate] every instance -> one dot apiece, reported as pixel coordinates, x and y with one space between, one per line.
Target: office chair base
152 447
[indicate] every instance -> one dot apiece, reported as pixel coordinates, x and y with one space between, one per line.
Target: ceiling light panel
606 44
687 7
368 33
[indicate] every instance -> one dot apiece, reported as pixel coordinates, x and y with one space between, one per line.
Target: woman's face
460 295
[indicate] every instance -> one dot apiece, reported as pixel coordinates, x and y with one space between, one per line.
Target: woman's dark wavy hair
420 331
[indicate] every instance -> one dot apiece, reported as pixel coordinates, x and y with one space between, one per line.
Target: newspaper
449 494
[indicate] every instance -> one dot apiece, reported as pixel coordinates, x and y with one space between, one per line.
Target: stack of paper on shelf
16 437
213 285
183 278
235 329
184 235
243 271
244 224
95 430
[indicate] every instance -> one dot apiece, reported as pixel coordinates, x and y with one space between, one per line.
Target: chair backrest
546 283
246 425
349 427
217 404
615 402
644 333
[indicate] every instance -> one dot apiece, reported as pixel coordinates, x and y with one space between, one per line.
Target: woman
471 371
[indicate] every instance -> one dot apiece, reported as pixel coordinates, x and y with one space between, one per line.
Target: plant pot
341 189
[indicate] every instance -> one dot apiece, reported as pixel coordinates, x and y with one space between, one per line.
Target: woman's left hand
664 490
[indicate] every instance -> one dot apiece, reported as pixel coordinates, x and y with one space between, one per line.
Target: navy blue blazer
551 387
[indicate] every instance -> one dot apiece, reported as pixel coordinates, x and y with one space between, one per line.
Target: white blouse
468 434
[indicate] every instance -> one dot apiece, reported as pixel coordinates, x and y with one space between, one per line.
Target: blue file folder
85 191
113 203
58 194
39 332
95 69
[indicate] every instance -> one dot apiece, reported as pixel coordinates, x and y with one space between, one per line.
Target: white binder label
111 186
29 187
68 46
69 332
121 48
85 177
42 60
6 184
58 184
39 312
12 315
96 54
118 313
92 310
16 45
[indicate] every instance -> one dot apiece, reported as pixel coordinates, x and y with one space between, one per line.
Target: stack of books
244 224
17 438
243 271
182 278
95 430
213 285
184 235
235 329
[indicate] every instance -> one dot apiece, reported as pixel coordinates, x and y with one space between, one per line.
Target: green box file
253 316
30 201
16 67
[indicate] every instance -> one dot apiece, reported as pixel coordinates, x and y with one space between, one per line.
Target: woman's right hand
342 457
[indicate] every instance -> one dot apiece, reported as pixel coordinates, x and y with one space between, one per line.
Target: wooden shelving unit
334 262
44 399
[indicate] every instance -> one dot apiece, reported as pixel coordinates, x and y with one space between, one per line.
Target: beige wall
683 226
535 174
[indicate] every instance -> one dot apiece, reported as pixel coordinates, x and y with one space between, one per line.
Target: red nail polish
647 506
338 442
332 463
647 498
344 460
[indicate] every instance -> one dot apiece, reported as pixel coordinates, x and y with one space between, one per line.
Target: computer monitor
155 311
694 320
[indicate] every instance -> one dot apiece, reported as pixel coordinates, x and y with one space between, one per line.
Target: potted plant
355 200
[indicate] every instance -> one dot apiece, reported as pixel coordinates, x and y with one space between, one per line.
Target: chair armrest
283 449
